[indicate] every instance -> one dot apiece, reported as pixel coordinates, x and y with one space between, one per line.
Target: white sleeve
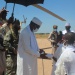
27 46
58 51
49 55
61 67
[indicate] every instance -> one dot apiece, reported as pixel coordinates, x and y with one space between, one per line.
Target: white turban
36 21
67 24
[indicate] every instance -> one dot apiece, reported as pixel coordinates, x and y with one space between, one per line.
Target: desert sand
44 66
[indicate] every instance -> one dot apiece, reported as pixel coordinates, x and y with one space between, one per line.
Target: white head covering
67 24
36 21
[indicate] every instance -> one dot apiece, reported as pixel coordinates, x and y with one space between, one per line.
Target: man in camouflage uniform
10 43
7 48
53 38
3 14
2 56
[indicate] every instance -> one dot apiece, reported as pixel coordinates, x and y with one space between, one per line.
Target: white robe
27 53
64 32
66 62
56 55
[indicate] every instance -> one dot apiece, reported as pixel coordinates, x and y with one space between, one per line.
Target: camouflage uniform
2 50
53 39
11 58
2 56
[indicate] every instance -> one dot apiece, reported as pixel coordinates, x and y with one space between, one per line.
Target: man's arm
49 37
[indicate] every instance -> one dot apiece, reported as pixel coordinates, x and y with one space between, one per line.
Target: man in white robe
28 50
66 63
58 52
67 28
56 56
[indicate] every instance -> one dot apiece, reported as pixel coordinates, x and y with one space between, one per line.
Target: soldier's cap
55 26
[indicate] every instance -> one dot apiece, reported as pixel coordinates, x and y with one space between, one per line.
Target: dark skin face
67 27
33 26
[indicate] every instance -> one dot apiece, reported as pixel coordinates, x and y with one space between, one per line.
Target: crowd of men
63 46
19 51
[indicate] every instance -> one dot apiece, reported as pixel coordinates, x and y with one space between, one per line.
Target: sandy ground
44 66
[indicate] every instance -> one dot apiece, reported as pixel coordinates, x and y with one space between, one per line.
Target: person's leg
14 59
1 71
9 65
53 62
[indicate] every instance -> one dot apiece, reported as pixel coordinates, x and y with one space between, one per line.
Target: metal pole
6 5
43 67
13 11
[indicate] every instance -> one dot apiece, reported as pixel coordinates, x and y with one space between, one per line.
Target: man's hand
41 51
43 54
55 59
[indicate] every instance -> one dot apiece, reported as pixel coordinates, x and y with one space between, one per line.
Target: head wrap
67 24
36 21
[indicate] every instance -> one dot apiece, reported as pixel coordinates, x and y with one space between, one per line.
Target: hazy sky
63 8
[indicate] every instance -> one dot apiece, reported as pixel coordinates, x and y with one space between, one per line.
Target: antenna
24 19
